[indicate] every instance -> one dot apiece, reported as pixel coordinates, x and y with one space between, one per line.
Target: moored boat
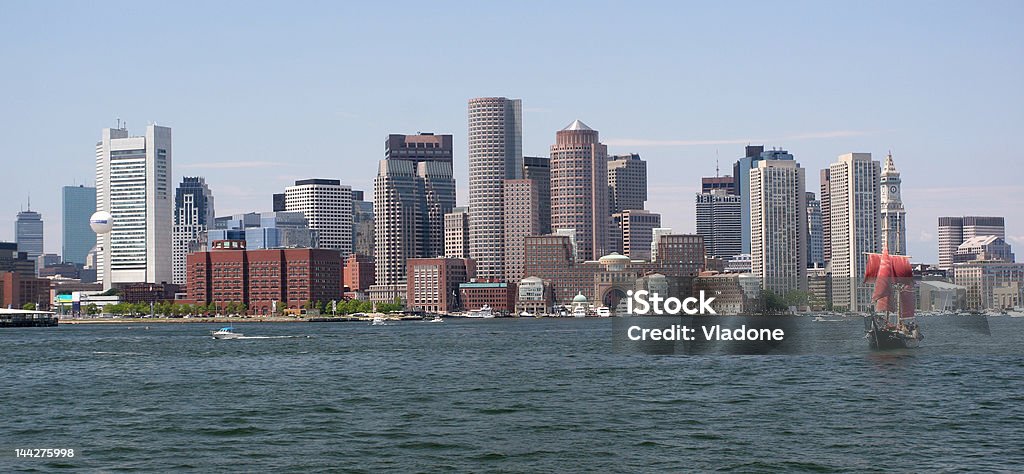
894 325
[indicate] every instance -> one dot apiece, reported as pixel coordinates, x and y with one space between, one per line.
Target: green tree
29 306
242 308
92 309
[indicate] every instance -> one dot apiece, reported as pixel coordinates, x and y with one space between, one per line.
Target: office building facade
79 203
327 206
855 228
778 226
579 189
193 214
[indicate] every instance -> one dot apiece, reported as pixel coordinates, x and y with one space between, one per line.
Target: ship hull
887 338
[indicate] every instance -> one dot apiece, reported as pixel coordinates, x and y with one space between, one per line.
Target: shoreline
220 320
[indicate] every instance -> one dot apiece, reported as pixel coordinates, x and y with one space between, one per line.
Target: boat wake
270 337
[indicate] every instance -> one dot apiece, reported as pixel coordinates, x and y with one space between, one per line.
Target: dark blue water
503 395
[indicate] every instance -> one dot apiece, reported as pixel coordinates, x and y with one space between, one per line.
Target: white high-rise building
894 216
495 154
855 227
778 225
719 222
193 217
456 233
327 205
133 184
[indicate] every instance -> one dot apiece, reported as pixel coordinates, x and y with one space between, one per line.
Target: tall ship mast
892 324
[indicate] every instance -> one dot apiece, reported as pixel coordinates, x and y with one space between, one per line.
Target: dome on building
614 261
579 298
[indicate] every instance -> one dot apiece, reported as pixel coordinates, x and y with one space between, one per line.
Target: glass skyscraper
77 239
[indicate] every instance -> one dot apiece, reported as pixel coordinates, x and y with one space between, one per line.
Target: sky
259 94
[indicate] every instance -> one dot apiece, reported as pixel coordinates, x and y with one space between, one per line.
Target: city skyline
679 127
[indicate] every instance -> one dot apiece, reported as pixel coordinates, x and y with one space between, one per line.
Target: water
501 395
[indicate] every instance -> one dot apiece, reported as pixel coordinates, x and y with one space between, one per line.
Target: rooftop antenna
716 163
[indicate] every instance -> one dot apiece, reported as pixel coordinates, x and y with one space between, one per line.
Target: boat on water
484 312
437 319
892 325
378 321
604 312
227 332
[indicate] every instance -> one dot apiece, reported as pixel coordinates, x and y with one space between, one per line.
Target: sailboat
893 295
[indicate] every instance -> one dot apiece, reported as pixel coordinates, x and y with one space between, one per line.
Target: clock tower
894 216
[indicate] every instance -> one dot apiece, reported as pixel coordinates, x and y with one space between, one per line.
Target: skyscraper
778 226
495 154
815 258
193 216
133 184
522 219
79 203
894 216
362 224
718 222
579 188
954 231
634 229
741 176
855 210
28 233
413 191
538 169
627 178
826 217
327 205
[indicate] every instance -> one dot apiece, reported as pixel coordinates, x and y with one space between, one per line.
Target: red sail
883 284
903 274
871 270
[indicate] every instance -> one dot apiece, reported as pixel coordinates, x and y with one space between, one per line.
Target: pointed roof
890 166
577 125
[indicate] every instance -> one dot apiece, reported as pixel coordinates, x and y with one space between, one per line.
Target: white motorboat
484 312
437 319
226 333
604 312
379 321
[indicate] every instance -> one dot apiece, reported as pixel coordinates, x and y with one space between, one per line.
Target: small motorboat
437 319
379 321
226 333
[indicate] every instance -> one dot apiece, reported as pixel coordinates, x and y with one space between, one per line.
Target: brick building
17 289
258 278
434 282
359 273
500 296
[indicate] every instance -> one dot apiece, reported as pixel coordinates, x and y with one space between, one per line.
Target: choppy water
502 395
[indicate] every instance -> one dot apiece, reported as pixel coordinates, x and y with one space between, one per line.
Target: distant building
522 219
258 278
148 293
456 233
855 210
719 222
500 296
778 226
894 216
79 203
726 183
825 200
534 296
538 170
13 260
741 176
729 295
133 184
28 231
815 255
359 273
268 230
17 289
741 263
193 216
935 295
579 188
984 280
362 225
634 232
46 260
953 231
627 180
495 154
655 235
819 289
327 205
984 247
680 254
434 283
279 202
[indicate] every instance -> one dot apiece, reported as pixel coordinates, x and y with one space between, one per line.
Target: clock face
892 189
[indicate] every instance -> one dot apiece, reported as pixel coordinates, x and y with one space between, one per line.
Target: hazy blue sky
260 94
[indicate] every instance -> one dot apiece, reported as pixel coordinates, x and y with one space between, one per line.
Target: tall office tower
522 219
133 184
495 154
28 233
413 191
741 176
456 233
711 183
634 230
826 217
718 222
855 210
894 216
327 205
579 188
655 238
79 203
815 257
778 225
627 179
362 225
193 216
954 231
538 169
